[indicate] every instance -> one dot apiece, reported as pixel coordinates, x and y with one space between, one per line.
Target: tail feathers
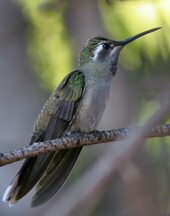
27 177
33 169
11 192
55 175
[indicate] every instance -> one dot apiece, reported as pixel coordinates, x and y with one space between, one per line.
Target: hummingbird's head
104 53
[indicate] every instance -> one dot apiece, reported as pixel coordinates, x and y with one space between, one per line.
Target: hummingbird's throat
114 56
113 67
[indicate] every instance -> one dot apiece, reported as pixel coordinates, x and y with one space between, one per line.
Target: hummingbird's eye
106 46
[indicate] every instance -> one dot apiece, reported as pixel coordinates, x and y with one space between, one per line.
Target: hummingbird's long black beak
128 40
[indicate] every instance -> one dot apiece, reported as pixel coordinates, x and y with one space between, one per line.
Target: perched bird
76 105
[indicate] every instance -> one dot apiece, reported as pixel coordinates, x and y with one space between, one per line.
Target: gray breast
92 105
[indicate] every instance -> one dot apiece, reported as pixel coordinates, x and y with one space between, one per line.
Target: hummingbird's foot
95 132
78 133
74 133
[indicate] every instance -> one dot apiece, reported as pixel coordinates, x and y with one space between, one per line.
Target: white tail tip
7 194
11 192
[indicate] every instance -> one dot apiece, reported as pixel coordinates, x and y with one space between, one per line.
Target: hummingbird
77 104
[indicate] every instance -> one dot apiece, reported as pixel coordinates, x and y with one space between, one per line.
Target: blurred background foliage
49 47
54 32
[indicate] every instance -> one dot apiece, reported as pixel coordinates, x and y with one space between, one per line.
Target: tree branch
79 139
83 196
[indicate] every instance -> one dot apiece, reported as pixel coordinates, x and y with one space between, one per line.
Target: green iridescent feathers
69 95
87 51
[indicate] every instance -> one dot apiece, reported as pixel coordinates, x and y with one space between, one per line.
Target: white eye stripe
97 51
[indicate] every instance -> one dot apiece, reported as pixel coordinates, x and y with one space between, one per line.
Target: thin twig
80 139
82 197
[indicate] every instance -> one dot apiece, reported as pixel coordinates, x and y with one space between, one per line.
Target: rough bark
78 139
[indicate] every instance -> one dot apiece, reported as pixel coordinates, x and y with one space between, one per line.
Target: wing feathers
69 112
59 112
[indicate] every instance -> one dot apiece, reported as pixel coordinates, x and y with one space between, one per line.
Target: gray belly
92 107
